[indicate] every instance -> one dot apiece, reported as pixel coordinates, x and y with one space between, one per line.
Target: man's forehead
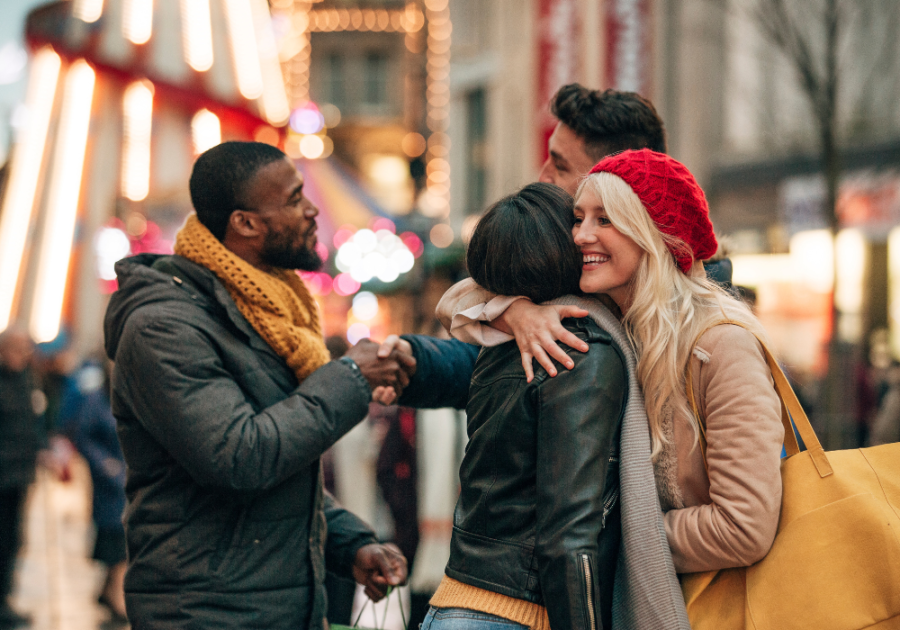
278 175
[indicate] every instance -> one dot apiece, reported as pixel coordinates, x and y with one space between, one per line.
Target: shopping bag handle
790 409
387 598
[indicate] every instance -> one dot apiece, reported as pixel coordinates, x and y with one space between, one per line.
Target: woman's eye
604 221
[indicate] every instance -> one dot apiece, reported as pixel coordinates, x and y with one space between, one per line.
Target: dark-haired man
592 124
225 397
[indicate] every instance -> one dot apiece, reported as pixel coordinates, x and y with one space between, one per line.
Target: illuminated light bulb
327 147
331 115
110 246
441 235
138 106
345 285
343 234
244 50
312 147
24 173
137 22
402 260
388 170
206 131
413 144
322 251
292 147
307 120
88 10
365 305
357 332
275 105
413 243
366 240
383 223
370 19
267 135
64 191
197 34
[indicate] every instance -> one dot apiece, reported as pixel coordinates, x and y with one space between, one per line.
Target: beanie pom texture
673 200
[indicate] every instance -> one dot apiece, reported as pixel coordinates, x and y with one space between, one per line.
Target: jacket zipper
589 590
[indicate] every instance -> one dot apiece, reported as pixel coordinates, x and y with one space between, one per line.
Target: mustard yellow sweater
454 594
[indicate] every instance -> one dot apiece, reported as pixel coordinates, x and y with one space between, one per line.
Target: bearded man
225 397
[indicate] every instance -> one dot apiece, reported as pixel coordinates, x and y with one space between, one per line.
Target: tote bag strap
790 409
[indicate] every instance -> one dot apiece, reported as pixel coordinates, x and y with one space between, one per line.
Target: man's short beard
280 252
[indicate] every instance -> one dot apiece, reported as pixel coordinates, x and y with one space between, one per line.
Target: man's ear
245 224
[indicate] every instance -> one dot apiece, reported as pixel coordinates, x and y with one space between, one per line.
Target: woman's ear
246 224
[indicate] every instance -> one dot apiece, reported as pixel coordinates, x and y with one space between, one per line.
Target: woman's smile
591 260
609 259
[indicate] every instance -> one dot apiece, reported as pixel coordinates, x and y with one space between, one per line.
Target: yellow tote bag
835 563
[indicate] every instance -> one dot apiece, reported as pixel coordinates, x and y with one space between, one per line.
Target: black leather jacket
537 518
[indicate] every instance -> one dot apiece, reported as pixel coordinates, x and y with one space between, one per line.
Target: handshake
388 367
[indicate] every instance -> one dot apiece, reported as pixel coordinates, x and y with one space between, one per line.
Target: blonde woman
642 225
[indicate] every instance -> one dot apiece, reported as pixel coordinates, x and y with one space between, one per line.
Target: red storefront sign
629 41
557 37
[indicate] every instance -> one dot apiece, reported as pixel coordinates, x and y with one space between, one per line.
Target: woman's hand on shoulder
537 328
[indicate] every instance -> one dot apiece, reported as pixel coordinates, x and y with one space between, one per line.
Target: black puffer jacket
226 518
537 518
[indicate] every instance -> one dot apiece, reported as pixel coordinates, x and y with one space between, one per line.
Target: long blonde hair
668 310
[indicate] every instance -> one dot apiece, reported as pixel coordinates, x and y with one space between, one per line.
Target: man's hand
390 371
401 349
377 567
536 329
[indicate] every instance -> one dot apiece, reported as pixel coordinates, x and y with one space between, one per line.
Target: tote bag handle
790 409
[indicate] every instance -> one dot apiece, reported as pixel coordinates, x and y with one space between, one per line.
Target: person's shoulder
728 341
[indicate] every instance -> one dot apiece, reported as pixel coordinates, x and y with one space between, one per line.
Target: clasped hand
388 367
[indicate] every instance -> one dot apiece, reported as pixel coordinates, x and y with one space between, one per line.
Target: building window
334 83
375 79
477 163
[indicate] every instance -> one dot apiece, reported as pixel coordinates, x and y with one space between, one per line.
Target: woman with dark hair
536 528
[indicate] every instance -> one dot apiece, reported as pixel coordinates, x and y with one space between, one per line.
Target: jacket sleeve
744 433
579 417
183 395
466 310
443 371
347 533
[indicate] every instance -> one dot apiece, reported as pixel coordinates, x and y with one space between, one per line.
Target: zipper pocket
589 590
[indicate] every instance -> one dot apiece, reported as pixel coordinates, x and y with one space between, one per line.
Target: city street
56 581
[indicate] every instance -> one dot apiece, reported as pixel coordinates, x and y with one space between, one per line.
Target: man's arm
183 395
347 534
442 373
352 551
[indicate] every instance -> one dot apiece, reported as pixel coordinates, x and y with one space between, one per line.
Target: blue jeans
463 619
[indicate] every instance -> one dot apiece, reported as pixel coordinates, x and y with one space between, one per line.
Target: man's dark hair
523 245
220 177
609 121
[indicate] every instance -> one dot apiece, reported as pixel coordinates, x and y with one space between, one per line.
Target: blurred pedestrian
22 435
886 425
225 398
86 417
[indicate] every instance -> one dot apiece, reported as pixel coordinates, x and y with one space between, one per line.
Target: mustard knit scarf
277 304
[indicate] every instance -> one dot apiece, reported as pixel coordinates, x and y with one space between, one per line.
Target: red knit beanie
672 198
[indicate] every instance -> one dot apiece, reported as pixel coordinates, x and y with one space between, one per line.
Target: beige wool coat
728 516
